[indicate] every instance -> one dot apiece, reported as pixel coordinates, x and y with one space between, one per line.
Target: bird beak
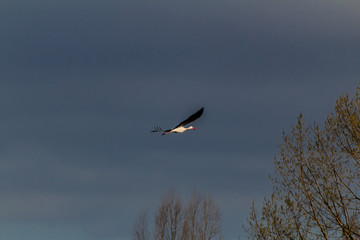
194 129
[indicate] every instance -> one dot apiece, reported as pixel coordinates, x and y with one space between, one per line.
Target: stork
180 128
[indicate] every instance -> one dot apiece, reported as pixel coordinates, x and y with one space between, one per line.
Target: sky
82 84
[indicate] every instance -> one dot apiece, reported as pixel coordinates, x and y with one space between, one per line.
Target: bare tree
202 219
190 227
169 217
210 219
316 181
199 219
141 231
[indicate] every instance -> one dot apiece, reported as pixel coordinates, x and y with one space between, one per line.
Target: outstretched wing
191 118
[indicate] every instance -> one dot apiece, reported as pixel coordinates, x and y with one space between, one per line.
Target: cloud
229 39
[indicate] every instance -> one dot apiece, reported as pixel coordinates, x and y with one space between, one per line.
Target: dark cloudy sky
83 82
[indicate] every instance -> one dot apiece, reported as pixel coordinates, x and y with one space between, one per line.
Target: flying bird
180 128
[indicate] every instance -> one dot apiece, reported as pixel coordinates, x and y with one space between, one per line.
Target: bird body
180 128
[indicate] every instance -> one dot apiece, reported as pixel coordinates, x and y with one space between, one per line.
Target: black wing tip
201 111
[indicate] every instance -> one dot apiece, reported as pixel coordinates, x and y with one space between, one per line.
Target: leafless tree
316 182
199 219
191 228
202 219
141 231
168 218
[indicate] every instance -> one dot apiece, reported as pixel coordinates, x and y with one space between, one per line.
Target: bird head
191 127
